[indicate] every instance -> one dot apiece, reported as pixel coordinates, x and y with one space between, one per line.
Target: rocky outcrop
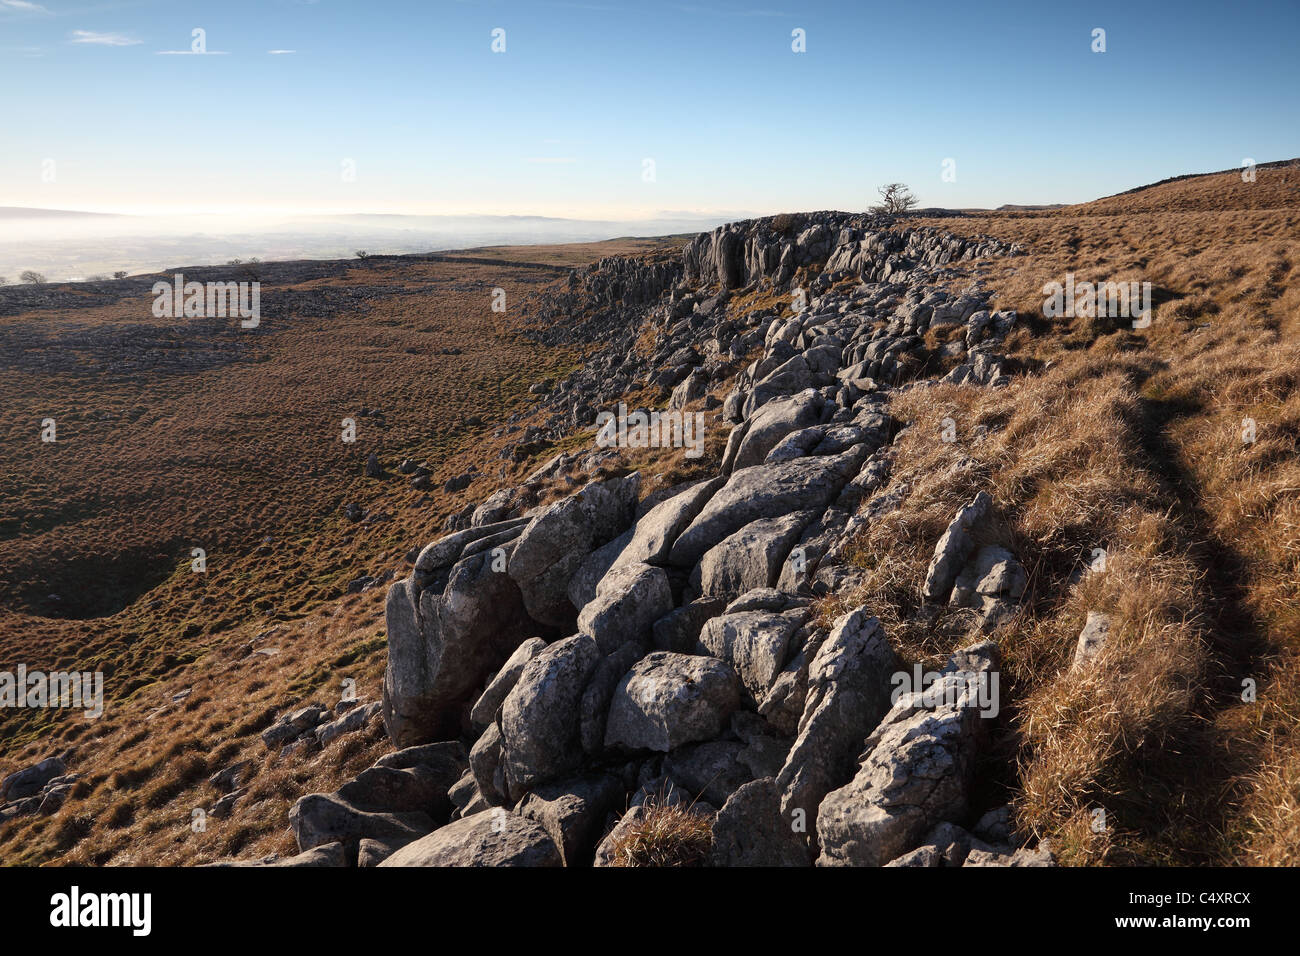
540 729
751 831
611 650
739 253
403 796
848 688
915 770
452 623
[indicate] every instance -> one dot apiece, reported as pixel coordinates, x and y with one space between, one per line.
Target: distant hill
1274 187
31 212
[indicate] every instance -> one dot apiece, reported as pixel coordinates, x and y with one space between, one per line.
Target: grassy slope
244 460
1132 441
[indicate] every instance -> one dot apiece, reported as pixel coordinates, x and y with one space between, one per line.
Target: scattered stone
491 838
954 548
1092 639
29 781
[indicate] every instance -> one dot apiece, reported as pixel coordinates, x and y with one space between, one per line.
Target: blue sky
560 124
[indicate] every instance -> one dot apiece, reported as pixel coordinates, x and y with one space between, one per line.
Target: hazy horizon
70 247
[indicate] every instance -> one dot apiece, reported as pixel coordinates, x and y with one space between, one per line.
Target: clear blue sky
561 122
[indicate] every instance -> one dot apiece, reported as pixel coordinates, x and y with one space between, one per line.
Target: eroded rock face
573 812
764 491
775 421
319 818
994 573
849 683
540 719
442 649
596 698
629 599
554 544
658 529
755 643
710 771
954 548
750 830
915 771
668 700
421 787
490 701
753 557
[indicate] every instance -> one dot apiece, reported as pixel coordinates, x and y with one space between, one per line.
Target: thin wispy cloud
22 6
723 12
604 8
280 52
95 38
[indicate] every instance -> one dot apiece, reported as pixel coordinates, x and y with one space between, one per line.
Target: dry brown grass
225 458
1131 441
664 835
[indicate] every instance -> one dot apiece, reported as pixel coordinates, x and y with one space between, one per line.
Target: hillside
908 465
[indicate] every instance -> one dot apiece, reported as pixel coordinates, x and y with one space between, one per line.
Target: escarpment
559 671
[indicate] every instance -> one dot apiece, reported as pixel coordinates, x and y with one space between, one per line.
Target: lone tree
33 277
120 274
895 199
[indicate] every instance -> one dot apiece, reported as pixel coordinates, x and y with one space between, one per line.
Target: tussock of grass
664 836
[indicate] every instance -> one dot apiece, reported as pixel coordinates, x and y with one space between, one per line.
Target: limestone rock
492 838
848 692
540 718
750 830
668 700
954 548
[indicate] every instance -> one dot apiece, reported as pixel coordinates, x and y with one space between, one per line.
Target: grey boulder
667 700
491 838
540 718
849 683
